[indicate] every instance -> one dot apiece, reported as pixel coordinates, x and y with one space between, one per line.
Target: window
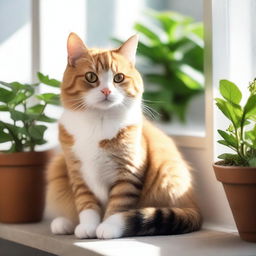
37 41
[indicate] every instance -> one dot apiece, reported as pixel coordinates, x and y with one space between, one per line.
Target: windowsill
180 129
190 135
205 242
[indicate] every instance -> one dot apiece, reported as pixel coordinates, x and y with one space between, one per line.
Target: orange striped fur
151 191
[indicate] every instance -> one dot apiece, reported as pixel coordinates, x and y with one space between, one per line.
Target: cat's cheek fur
112 227
89 221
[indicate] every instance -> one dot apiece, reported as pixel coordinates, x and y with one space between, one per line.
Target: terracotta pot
22 186
240 187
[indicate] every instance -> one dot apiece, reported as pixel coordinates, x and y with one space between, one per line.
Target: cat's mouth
106 100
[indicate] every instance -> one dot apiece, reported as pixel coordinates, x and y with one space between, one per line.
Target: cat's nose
106 91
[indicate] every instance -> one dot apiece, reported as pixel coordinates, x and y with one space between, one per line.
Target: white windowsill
191 135
205 242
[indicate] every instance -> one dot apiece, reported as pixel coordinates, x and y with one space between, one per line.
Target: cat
118 174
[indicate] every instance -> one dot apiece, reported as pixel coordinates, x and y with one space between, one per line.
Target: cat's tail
161 221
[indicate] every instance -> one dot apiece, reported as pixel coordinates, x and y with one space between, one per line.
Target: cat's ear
76 48
129 47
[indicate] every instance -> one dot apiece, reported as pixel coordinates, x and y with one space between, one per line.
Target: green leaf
252 162
37 109
252 118
230 91
40 142
8 85
14 133
18 116
232 111
189 81
232 159
159 80
47 119
193 78
4 108
197 28
4 137
21 97
6 95
50 98
194 58
147 32
251 136
23 131
48 81
228 156
250 107
37 131
231 128
195 39
230 139
223 142
173 23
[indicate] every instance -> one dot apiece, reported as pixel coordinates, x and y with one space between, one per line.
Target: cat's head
100 79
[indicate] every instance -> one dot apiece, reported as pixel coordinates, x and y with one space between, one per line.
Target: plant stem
238 144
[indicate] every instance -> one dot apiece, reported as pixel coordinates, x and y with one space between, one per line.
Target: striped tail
162 221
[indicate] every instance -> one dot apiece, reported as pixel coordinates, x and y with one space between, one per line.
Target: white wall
15 44
57 19
15 40
192 8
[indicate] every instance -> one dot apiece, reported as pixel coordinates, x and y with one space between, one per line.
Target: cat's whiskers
152 113
76 101
78 104
153 101
81 106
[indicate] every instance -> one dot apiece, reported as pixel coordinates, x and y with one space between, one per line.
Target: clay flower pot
240 187
22 186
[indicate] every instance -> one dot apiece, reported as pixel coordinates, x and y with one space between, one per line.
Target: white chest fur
88 129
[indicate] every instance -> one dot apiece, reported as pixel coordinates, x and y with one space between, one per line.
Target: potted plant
22 128
237 171
172 46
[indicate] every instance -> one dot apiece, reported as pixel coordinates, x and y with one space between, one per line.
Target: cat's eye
118 78
91 77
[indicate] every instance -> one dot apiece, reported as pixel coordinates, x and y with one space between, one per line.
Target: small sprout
231 128
252 87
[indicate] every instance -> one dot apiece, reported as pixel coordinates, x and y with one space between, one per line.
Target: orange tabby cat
118 174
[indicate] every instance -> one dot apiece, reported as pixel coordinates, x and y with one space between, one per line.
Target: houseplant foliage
22 178
237 171
172 45
26 127
240 136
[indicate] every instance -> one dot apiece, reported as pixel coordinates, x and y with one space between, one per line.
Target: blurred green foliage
172 44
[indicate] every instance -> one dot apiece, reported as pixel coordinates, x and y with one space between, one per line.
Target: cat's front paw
89 221
112 227
62 226
85 230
